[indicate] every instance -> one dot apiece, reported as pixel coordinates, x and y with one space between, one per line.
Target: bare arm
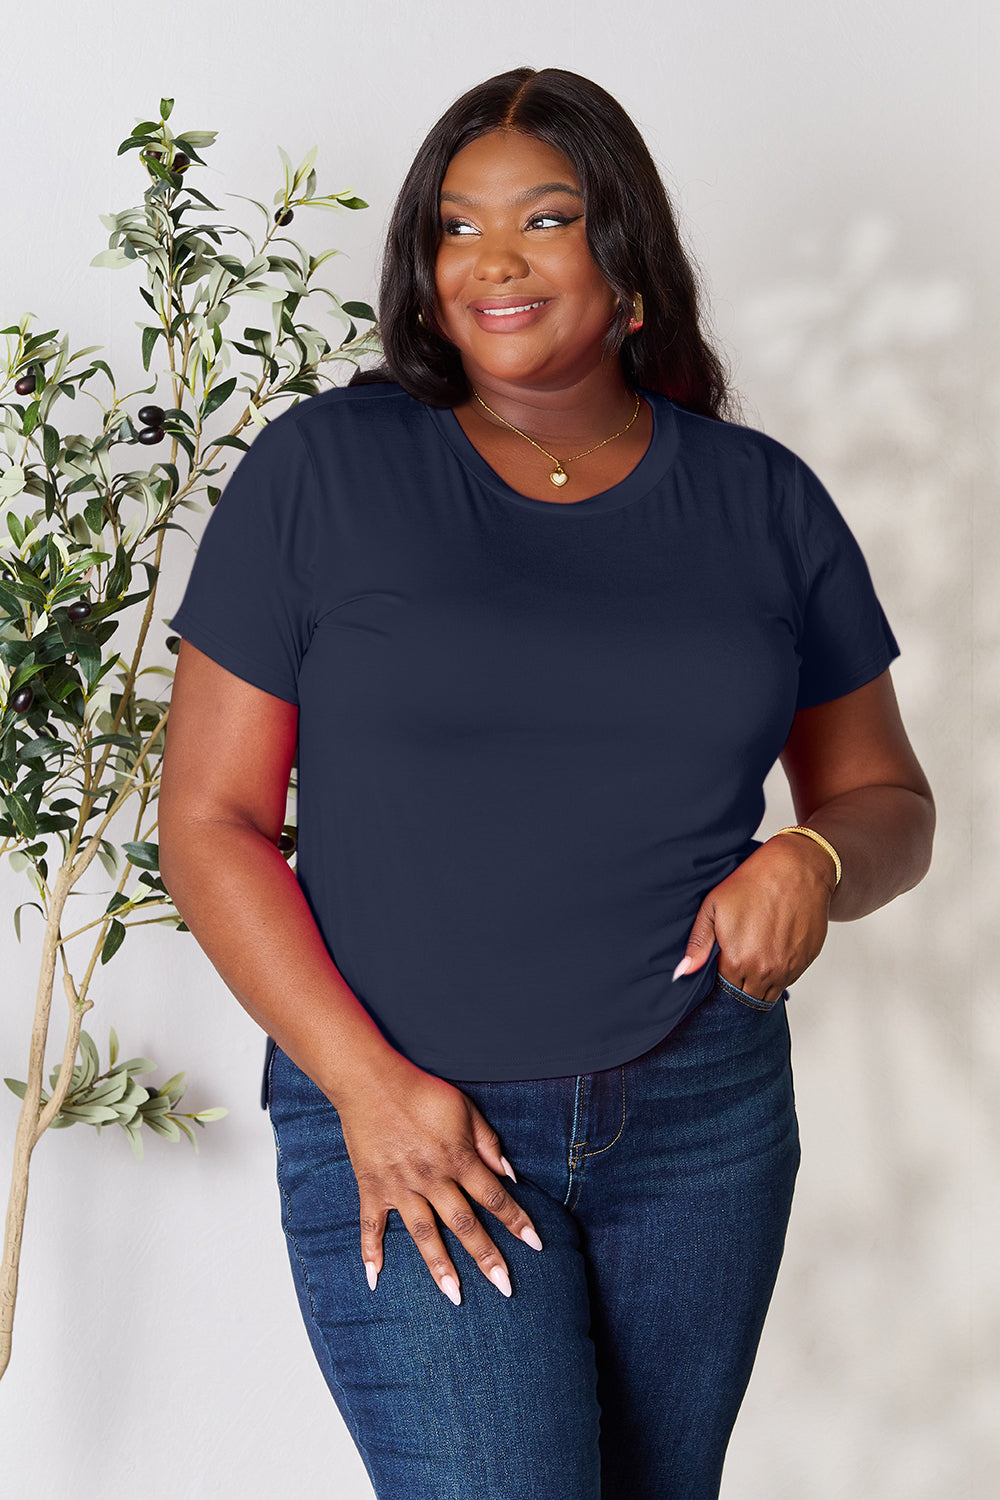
855 779
416 1143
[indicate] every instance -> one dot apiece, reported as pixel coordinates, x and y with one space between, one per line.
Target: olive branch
82 726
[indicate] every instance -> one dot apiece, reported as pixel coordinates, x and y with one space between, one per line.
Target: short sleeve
846 639
248 599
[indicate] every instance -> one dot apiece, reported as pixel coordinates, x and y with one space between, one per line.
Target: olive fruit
79 609
180 162
26 384
22 700
151 416
149 435
173 641
284 216
286 843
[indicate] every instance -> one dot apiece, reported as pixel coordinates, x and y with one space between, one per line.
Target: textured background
835 171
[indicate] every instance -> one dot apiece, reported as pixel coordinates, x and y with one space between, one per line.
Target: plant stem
28 1120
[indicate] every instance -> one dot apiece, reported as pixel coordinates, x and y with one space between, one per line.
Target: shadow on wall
873 372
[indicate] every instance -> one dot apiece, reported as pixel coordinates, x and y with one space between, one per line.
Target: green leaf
149 337
204 1115
353 202
30 419
17 915
14 1084
133 1129
89 656
114 259
139 1065
113 941
89 1114
173 1089
144 855
216 396
359 310
166 105
163 1125
90 1061
21 812
50 446
113 1046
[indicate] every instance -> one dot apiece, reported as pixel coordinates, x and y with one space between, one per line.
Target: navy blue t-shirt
532 735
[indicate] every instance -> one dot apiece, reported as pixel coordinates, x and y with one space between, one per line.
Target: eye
457 227
546 220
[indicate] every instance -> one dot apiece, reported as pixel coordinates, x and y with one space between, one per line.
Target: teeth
507 312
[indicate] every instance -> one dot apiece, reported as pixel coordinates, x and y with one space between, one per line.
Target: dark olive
26 384
22 700
151 416
284 216
286 843
80 609
173 642
149 435
180 162
153 1093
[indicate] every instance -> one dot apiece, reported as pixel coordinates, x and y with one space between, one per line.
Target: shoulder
361 413
733 446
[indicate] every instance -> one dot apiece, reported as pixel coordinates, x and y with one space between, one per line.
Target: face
518 292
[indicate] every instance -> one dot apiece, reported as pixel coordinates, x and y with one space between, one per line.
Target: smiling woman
537 621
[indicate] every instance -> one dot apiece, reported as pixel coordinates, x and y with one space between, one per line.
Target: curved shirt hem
594 1062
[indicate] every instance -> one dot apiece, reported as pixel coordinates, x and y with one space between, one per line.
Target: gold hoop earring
636 320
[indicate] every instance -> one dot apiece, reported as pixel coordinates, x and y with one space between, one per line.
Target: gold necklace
559 475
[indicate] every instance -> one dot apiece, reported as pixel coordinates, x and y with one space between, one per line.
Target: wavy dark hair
631 230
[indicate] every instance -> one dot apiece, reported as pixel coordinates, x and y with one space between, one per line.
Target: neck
568 414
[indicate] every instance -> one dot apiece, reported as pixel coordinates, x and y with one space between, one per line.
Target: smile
509 312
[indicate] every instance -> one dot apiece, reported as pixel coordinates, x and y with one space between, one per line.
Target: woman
536 621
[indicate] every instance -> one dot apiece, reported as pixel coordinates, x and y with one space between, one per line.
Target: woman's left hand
770 917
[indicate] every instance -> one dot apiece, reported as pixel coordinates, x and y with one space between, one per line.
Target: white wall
835 167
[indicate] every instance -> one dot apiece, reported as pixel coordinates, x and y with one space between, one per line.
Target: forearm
245 907
883 835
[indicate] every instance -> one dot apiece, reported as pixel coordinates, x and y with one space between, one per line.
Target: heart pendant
559 477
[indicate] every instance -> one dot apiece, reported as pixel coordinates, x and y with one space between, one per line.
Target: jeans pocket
750 1001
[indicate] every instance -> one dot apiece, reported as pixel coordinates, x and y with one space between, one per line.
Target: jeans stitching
573 1158
750 1001
621 1127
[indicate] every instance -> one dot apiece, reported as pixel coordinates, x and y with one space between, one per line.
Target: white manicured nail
450 1288
500 1278
530 1237
508 1168
682 967
371 1273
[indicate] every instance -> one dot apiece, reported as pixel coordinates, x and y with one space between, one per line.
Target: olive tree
84 520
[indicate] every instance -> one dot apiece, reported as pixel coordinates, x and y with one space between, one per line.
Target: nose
498 260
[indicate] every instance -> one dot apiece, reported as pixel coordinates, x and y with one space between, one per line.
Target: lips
508 314
509 310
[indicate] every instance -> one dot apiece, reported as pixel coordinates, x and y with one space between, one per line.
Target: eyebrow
528 196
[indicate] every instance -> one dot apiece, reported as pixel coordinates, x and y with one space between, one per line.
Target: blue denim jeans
661 1190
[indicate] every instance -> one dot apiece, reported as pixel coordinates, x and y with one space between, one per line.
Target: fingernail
371 1273
682 967
500 1278
450 1288
508 1168
530 1237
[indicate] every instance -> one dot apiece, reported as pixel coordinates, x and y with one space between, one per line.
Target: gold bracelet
825 843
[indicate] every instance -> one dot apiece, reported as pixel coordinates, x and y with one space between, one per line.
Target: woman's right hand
421 1146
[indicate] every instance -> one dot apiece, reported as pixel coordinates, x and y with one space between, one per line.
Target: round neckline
652 466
